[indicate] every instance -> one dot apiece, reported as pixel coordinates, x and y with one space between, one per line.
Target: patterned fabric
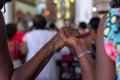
112 37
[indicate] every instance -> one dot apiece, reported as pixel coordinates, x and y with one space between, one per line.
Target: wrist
58 45
84 54
57 42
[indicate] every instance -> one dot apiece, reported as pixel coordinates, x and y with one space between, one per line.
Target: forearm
86 61
6 67
87 67
31 68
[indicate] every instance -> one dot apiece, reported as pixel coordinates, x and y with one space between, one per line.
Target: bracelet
84 53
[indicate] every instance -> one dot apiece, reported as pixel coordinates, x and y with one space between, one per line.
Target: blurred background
59 11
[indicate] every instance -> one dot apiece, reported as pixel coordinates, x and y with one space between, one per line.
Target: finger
62 34
66 25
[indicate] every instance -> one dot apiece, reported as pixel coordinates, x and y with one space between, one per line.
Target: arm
23 48
87 67
105 67
35 65
6 66
86 63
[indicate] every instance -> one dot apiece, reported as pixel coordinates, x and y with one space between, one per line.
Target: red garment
14 49
18 36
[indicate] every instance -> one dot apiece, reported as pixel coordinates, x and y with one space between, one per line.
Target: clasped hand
72 38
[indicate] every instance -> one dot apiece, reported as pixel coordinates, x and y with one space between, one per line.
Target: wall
25 8
8 15
83 10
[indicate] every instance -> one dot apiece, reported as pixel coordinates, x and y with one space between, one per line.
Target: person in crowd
53 27
83 29
22 29
93 25
30 69
14 46
107 67
85 32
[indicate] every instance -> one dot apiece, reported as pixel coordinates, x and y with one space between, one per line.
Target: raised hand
69 32
74 42
79 47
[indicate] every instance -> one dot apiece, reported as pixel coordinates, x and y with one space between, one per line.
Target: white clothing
17 63
35 40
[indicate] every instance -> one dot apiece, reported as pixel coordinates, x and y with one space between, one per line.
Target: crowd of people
29 54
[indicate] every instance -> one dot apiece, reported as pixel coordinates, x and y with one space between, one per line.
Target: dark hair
39 22
82 25
115 3
52 25
94 22
11 30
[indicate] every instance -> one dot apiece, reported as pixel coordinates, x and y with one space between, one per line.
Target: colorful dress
112 37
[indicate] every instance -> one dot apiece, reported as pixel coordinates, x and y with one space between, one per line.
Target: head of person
11 30
115 3
94 22
39 22
52 26
82 25
2 3
22 26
